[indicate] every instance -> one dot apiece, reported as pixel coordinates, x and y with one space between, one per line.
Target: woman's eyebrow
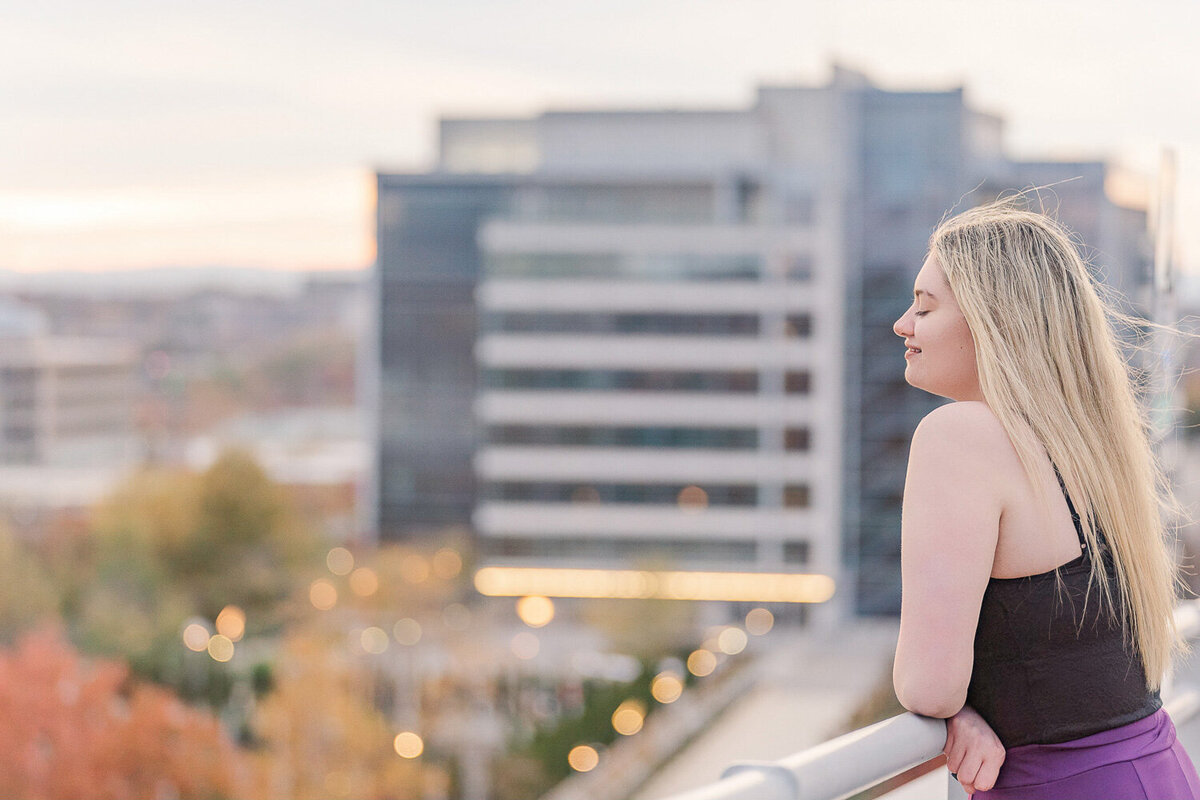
919 292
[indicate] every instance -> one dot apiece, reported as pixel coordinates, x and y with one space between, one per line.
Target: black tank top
1050 668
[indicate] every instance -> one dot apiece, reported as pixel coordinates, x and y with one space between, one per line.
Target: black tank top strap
1070 507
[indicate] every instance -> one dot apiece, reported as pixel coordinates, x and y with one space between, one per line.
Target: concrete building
66 402
613 338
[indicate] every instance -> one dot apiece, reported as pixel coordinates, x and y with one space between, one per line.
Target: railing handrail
864 758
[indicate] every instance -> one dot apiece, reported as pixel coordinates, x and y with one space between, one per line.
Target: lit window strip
764 587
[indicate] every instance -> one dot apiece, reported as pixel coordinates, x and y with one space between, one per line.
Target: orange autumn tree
72 728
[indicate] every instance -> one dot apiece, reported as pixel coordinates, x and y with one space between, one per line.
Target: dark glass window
664 494
621 380
587 436
610 323
795 552
798 382
796 439
796 496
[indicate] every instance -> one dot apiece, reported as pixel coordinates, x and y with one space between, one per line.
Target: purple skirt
1139 761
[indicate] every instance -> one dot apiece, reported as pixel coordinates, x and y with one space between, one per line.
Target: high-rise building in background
615 338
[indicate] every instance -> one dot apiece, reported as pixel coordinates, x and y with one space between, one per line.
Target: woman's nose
902 328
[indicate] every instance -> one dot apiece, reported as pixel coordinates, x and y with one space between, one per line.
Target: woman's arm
952 505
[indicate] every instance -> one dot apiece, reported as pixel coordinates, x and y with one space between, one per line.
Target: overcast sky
246 133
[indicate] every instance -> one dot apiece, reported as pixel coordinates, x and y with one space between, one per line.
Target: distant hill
169 281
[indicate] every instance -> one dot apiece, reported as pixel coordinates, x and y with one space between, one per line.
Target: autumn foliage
73 728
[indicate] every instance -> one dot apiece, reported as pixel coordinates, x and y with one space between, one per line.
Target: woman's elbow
931 701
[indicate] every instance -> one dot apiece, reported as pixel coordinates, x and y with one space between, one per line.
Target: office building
664 338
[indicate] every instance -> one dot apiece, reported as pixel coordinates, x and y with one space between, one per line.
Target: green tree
171 545
28 596
227 536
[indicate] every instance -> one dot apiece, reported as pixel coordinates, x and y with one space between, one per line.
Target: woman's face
940 352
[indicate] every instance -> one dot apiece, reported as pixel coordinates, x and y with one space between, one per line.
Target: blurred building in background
618 338
103 373
66 417
64 401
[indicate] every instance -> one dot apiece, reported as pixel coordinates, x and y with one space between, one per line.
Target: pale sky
138 134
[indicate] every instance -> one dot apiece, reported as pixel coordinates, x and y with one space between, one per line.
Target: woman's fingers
968 771
954 758
988 771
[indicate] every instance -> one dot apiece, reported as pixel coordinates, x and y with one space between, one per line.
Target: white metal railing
865 758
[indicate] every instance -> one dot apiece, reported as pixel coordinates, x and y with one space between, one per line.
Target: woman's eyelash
920 313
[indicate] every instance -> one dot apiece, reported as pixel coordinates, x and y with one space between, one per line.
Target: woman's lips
910 352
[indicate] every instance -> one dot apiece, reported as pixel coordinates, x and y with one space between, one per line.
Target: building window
798 326
587 436
605 323
795 552
798 382
796 439
649 494
598 547
745 381
796 496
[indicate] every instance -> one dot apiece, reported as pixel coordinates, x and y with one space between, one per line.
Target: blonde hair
1051 369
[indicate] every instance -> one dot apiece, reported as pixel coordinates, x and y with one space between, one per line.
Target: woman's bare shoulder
965 431
965 423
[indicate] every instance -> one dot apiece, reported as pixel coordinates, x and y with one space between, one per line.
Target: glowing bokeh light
535 610
407 631
629 717
220 648
340 561
583 758
447 563
732 641
761 587
701 663
408 744
692 498
374 640
364 582
414 568
231 622
195 637
322 594
525 645
759 621
667 687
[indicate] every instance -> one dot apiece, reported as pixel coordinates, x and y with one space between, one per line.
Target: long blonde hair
1051 369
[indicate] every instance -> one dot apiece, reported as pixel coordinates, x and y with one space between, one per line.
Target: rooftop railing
865 758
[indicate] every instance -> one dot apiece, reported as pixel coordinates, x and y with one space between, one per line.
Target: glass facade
621 380
427 266
796 495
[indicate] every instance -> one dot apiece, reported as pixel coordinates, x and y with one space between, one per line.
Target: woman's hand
973 751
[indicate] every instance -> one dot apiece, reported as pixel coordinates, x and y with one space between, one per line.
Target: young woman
1038 587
